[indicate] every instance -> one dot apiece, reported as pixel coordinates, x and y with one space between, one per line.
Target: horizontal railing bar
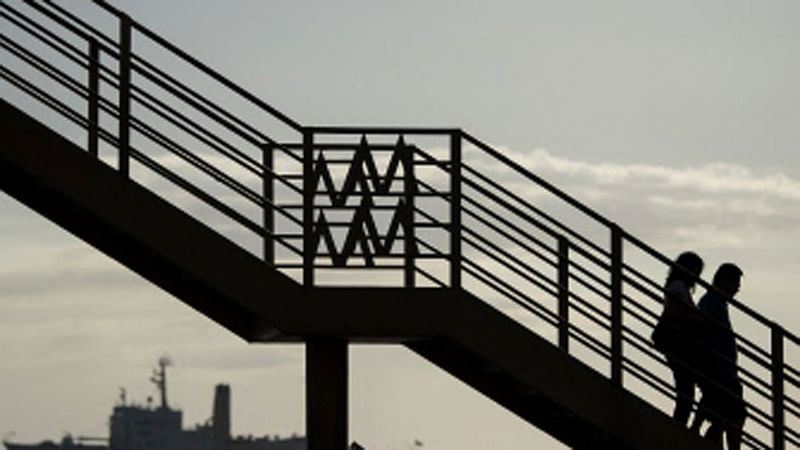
289 265
636 315
231 152
643 344
44 67
431 190
507 235
629 333
642 277
283 241
759 418
751 351
196 161
792 407
597 291
317 129
433 220
56 18
203 166
199 132
293 176
377 255
361 266
199 102
752 381
92 31
510 237
289 235
762 362
519 295
736 303
789 377
431 163
655 296
43 96
537 283
542 314
203 68
508 256
579 307
430 277
197 192
606 323
203 104
346 162
341 207
443 164
431 248
343 146
519 213
46 36
590 342
538 180
444 225
536 211
375 194
646 378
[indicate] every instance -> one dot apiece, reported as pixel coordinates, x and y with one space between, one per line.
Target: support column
326 394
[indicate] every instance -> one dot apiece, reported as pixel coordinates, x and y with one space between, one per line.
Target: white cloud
712 177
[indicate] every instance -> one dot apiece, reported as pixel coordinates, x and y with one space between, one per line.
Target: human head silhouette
728 279
687 268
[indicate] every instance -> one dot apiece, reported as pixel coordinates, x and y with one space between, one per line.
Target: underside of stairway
449 327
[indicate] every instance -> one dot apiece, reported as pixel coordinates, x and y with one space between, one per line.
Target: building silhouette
136 427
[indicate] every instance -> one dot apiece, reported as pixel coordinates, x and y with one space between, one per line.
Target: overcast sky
678 120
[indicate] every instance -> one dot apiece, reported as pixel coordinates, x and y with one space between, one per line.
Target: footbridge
329 236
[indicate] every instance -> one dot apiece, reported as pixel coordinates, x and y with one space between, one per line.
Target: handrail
604 221
537 179
209 71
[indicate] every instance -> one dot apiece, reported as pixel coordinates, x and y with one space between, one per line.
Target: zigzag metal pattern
363 231
356 175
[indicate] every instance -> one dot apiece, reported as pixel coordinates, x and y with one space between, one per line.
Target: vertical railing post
308 208
778 442
563 293
269 204
616 305
124 94
409 189
455 209
94 97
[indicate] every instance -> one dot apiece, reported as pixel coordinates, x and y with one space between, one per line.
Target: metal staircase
428 237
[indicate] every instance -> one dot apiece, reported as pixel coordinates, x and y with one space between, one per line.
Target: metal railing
313 202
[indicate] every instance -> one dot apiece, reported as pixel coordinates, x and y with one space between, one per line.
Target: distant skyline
677 120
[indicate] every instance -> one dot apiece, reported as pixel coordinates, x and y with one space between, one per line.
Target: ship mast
159 378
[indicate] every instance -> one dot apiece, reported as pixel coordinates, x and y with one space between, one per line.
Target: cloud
712 177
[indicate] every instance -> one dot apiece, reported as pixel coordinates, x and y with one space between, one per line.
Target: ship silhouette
135 427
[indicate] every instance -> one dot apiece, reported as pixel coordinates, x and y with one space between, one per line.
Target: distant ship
135 427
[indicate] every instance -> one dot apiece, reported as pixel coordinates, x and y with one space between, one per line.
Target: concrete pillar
326 394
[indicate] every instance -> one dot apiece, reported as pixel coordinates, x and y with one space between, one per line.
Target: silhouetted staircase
466 238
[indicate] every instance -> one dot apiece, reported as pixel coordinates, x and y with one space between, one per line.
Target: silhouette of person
677 327
722 402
